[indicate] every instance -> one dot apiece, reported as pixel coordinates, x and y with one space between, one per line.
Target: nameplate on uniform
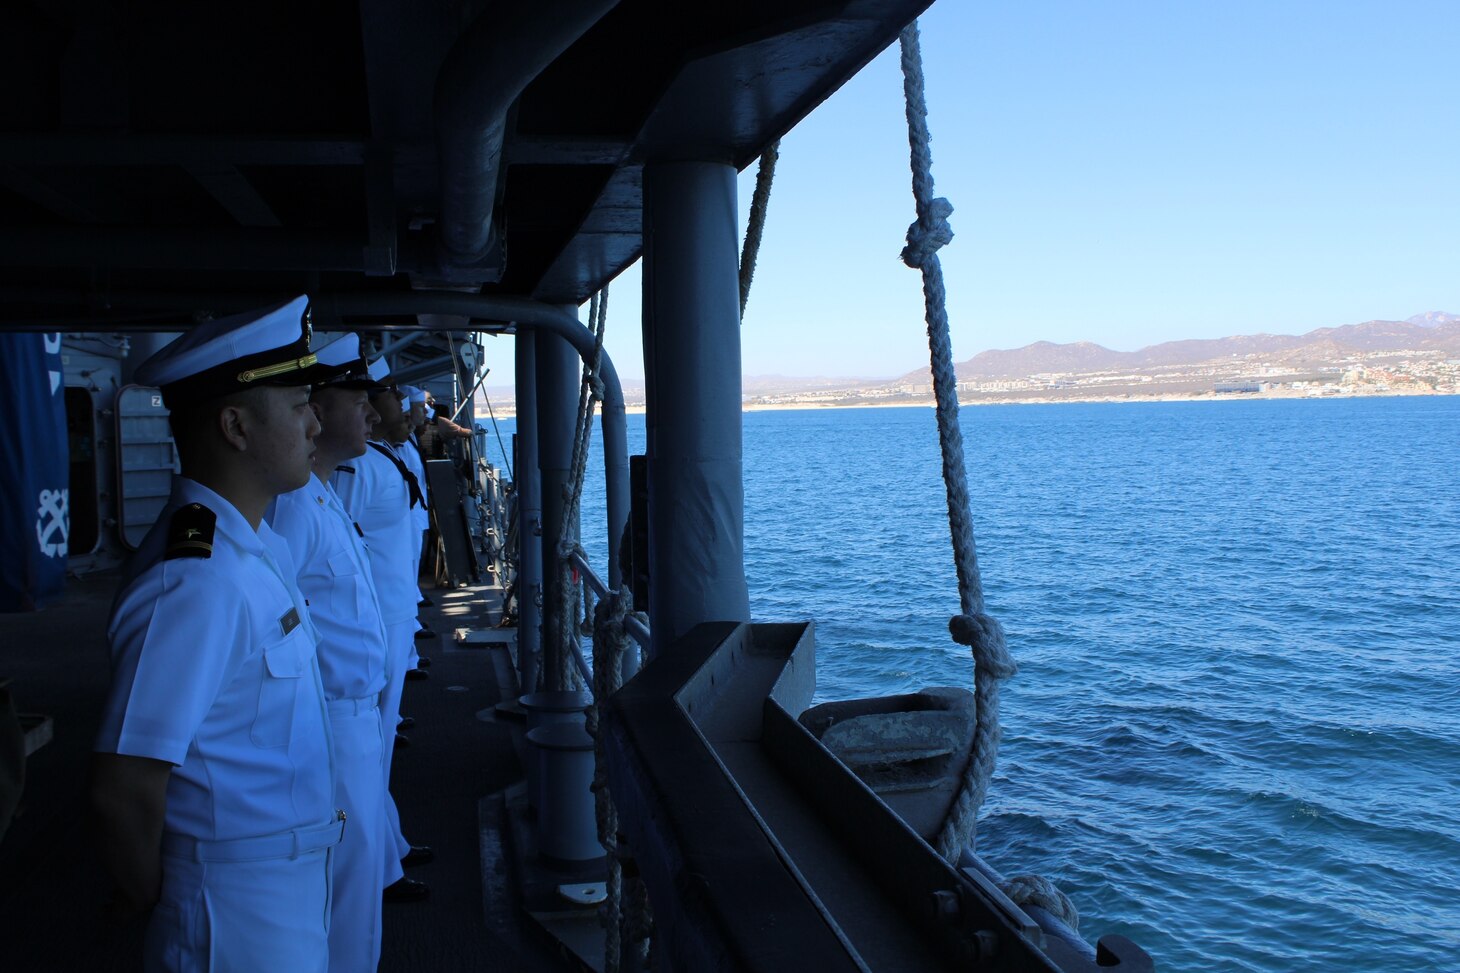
289 621
344 469
357 528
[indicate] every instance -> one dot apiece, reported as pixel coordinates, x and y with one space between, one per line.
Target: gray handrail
634 626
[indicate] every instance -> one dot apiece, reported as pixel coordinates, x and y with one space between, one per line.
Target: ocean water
1235 732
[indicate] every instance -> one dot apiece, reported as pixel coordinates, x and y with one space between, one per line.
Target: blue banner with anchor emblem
35 476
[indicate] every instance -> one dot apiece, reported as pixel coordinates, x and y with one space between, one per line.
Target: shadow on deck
51 885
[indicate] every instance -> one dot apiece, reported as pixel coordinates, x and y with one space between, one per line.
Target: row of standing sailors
260 642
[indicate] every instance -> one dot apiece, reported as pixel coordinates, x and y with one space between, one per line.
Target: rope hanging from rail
589 395
973 626
625 915
755 225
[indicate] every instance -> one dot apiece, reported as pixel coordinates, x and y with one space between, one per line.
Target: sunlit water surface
1235 732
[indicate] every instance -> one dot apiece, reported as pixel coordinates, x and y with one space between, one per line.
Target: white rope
973 627
1040 891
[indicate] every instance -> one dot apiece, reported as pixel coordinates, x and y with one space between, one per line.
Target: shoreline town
1376 374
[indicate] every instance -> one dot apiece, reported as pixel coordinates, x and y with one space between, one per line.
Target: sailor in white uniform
378 494
211 784
334 575
410 454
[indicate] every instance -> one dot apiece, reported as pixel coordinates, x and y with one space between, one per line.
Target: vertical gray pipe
692 372
143 345
559 371
529 515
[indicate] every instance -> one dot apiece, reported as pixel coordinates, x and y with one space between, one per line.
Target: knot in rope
1040 891
985 636
929 233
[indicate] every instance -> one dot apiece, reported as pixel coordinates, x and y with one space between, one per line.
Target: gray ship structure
433 175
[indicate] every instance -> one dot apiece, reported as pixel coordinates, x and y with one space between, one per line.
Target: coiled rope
1040 891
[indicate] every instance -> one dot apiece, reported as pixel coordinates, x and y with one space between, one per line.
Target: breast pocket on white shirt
347 595
286 662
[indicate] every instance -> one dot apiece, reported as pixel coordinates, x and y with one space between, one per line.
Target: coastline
927 402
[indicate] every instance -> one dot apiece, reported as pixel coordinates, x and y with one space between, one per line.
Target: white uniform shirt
410 454
214 672
375 495
335 577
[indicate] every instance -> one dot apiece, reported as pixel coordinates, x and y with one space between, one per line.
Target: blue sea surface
1235 732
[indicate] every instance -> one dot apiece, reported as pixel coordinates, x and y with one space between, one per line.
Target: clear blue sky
1121 172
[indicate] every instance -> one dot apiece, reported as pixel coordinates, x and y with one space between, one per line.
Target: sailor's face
283 440
418 414
347 418
392 426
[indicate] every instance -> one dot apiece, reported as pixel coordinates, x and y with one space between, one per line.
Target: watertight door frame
146 461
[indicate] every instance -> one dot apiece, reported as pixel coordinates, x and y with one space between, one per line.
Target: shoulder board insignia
190 532
344 469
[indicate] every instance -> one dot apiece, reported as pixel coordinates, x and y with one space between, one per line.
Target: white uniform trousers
400 639
243 906
416 574
358 861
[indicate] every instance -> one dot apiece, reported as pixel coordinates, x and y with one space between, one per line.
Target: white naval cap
343 354
232 354
380 370
417 395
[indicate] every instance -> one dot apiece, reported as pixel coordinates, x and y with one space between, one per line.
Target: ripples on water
1235 733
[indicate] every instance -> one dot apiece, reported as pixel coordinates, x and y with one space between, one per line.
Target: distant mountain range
1435 330
1432 331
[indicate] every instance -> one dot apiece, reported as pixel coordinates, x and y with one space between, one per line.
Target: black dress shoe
406 890
406 722
401 740
425 602
418 855
423 662
425 634
414 674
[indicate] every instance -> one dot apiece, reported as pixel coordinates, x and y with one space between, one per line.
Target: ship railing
636 628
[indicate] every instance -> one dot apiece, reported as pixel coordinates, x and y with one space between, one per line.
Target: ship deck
449 785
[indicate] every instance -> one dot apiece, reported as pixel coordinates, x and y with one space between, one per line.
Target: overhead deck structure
160 160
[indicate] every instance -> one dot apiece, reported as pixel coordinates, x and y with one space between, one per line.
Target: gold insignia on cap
283 368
